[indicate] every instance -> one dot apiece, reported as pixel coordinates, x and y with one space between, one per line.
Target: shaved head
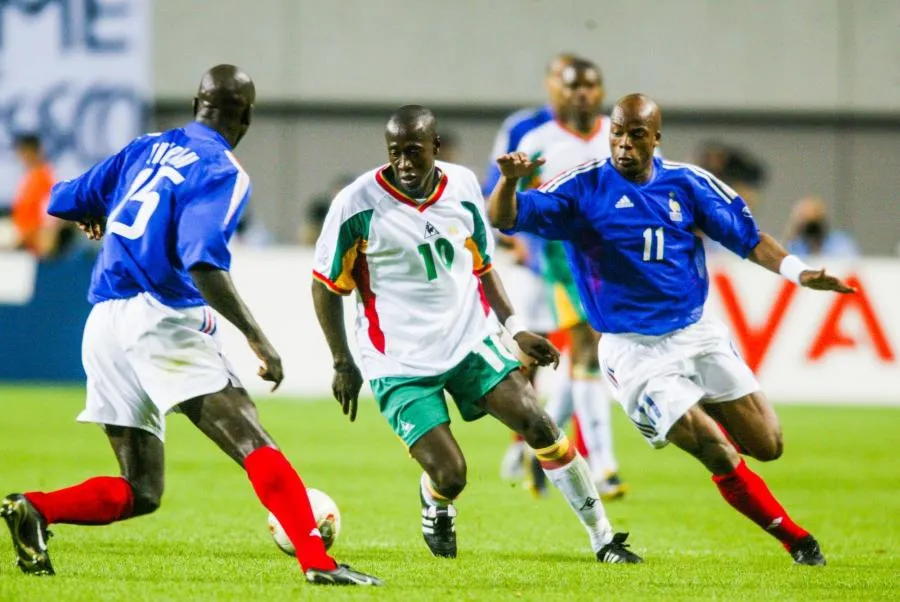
225 101
634 136
639 107
411 118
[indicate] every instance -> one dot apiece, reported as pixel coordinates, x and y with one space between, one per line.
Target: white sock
559 406
568 471
432 497
592 408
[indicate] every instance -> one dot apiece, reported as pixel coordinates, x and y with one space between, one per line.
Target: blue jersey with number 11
171 201
638 263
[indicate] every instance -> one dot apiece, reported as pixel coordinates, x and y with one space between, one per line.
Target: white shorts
142 358
535 304
657 379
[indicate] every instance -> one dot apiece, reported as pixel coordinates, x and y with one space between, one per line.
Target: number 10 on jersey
444 250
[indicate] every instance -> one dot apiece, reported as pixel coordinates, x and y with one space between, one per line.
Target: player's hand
539 348
345 386
93 227
517 165
820 281
271 369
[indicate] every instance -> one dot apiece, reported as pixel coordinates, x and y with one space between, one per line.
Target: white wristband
791 267
513 325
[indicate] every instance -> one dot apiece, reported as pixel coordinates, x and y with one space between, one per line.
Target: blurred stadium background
786 99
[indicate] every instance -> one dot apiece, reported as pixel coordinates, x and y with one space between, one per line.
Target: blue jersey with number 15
171 201
633 249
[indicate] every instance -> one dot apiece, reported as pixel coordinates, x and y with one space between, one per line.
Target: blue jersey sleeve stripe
241 184
565 176
718 186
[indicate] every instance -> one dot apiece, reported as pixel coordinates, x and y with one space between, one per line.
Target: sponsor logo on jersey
430 230
624 203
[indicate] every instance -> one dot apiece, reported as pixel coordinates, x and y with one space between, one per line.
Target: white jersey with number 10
415 265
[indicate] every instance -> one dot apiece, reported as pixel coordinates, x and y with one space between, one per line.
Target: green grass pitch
838 477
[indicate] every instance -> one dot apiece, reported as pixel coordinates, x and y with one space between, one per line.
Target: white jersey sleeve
344 236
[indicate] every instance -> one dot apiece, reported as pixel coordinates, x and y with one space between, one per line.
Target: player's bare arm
531 344
771 255
218 290
502 209
347 380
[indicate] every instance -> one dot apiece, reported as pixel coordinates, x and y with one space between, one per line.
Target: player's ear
437 144
658 137
247 115
195 106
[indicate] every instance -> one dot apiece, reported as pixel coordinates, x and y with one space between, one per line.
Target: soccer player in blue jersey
630 226
168 204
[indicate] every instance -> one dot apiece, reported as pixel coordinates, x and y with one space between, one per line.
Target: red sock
97 501
577 439
748 494
731 440
280 489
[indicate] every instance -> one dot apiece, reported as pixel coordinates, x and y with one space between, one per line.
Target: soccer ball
328 519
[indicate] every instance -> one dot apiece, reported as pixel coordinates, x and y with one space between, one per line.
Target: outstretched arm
502 204
347 380
535 346
771 255
219 292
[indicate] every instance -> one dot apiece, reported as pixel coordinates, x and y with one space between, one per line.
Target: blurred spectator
736 167
317 209
809 232
35 231
252 232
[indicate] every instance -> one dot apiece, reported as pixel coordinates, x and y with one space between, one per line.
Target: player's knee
147 498
539 430
770 448
450 478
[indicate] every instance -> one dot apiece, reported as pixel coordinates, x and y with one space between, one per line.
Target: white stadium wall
806 347
741 54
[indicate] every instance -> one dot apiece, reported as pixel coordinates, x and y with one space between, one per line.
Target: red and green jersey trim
404 198
477 243
352 239
334 288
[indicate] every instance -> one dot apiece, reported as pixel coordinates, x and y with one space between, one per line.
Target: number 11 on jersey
648 243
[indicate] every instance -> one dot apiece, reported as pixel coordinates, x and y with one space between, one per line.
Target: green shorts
415 405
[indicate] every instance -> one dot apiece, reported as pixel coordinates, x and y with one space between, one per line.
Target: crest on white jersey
624 203
430 230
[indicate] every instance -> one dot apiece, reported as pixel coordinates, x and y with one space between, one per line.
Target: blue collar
198 130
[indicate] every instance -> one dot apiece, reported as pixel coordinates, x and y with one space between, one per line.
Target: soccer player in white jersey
412 240
168 204
578 134
630 225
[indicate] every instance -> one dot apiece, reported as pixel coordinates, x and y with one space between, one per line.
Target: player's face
554 85
581 91
411 155
632 141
